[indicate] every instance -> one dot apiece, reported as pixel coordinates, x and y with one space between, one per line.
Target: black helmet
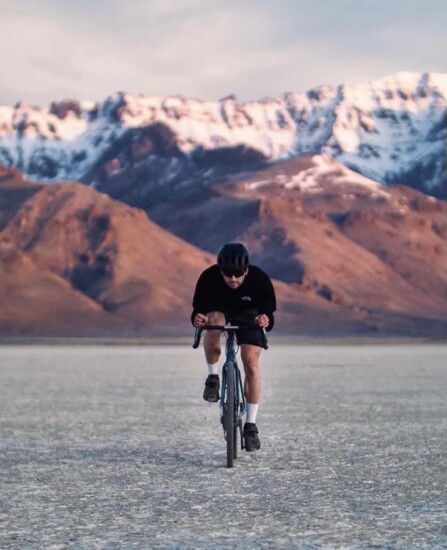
233 256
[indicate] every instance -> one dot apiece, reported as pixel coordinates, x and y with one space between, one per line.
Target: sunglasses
233 272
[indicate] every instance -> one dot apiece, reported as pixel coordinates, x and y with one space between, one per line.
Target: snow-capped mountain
390 130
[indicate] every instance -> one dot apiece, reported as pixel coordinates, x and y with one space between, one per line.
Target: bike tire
229 416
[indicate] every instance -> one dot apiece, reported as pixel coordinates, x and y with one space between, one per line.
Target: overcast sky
89 49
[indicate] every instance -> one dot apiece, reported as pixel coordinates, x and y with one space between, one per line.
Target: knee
251 368
212 337
212 341
216 318
250 359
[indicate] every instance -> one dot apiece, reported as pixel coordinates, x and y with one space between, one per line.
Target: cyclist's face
233 281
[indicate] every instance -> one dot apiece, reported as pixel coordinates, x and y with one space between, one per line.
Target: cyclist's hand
200 319
262 320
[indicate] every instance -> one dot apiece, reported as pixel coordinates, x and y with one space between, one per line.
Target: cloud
209 48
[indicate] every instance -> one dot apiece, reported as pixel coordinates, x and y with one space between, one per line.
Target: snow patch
379 128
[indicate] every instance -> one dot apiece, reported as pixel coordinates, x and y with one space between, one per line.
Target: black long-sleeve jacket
255 293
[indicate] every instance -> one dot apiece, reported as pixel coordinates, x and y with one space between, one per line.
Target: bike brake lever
197 337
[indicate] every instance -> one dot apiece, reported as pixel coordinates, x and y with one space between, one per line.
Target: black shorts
251 336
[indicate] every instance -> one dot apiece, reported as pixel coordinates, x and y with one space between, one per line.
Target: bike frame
238 397
230 352
232 398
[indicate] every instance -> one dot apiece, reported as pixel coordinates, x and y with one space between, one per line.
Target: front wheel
229 415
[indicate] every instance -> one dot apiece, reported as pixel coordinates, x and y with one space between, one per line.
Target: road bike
232 399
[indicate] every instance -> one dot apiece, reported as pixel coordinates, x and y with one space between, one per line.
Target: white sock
213 368
252 411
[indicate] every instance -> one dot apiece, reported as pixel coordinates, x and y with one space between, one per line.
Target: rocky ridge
348 257
133 147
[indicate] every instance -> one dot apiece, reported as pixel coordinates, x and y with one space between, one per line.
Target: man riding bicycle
234 289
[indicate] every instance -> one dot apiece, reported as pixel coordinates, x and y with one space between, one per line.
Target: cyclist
234 289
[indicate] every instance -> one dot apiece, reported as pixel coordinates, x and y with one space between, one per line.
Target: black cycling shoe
211 391
251 439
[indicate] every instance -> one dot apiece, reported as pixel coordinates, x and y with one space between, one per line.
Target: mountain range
157 184
347 256
391 130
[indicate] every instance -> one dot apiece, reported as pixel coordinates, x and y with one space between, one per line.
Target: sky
208 49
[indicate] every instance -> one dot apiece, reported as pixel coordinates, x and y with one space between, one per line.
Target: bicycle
232 398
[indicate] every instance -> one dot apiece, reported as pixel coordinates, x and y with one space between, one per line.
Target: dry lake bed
112 447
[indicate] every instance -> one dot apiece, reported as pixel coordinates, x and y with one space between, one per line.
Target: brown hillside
106 252
75 262
36 301
330 233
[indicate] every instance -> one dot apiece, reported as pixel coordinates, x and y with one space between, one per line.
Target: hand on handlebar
262 320
200 320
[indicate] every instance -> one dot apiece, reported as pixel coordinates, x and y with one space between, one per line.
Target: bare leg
252 385
211 341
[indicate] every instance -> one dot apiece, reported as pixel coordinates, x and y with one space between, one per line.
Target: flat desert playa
112 447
